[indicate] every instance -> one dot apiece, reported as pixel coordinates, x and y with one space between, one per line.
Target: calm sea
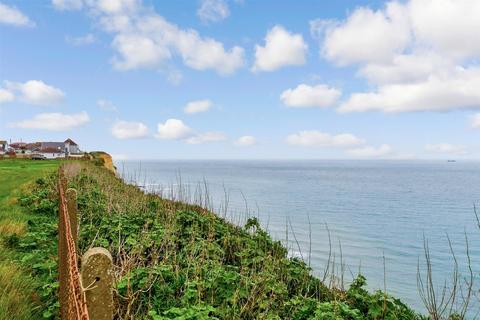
376 211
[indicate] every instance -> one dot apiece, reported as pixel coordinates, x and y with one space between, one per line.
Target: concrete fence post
71 195
97 280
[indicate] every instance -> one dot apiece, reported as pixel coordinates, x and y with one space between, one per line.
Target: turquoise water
373 209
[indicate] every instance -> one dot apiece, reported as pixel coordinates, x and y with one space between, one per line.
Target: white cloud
54 121
315 138
198 106
305 96
13 16
144 39
173 129
446 148
246 141
282 48
106 105
67 4
439 92
447 26
368 36
206 137
36 92
404 68
82 40
6 96
129 130
419 55
213 10
474 121
371 152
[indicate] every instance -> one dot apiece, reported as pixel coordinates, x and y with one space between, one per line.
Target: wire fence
73 304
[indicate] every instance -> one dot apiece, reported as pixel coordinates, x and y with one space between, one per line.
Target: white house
51 150
71 148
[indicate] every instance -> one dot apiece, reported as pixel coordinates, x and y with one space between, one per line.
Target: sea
369 217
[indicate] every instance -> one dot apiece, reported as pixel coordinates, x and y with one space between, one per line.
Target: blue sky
226 79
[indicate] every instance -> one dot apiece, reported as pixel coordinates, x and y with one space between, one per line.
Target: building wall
50 155
72 149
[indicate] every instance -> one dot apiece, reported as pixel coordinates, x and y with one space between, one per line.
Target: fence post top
71 190
95 252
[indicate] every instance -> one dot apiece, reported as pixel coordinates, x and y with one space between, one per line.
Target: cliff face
105 159
108 162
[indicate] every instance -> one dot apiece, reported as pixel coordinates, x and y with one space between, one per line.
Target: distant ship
451 160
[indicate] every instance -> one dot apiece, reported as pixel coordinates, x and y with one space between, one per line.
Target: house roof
55 145
70 141
18 145
33 146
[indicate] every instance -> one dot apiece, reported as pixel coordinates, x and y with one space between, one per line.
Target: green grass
18 296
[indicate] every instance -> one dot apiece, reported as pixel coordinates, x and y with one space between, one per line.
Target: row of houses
48 150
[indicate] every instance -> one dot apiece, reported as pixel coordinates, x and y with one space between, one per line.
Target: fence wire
73 305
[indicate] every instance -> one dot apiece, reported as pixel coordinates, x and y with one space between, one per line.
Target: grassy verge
20 297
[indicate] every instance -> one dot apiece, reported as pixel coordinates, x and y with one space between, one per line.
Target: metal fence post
97 280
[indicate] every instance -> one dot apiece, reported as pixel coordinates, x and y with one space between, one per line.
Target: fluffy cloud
404 68
206 137
418 55
371 152
144 39
129 130
446 148
6 96
106 105
315 138
439 92
198 106
173 129
13 16
246 141
368 36
352 145
446 26
213 10
82 40
282 48
54 121
305 96
34 92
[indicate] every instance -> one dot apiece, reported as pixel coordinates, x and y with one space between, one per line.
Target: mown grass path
17 297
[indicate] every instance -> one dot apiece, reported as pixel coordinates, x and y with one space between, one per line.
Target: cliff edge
104 159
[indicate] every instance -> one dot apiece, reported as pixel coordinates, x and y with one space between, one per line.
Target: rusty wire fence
73 304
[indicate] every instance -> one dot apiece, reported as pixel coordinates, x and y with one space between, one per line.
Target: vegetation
172 260
178 261
27 254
